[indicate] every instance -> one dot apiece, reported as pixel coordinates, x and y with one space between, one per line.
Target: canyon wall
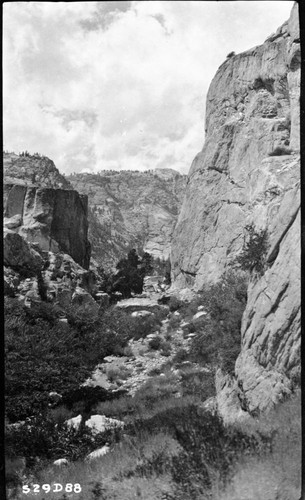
130 209
41 206
249 172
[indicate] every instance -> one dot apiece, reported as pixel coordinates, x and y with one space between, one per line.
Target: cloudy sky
120 85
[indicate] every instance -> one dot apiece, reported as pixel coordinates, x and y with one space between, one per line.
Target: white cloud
120 84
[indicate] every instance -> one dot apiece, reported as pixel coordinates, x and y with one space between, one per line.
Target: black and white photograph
151 250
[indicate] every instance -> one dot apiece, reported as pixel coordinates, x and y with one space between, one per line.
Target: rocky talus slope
131 209
248 172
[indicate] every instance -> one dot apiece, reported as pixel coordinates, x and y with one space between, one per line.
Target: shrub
165 348
253 255
180 356
41 437
207 445
118 373
155 343
280 151
173 323
198 383
143 326
156 389
231 54
37 343
218 334
174 304
42 287
130 274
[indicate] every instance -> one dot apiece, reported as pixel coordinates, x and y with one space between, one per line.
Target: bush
37 343
156 389
155 343
41 437
253 255
143 326
218 334
198 383
174 304
280 151
118 373
173 323
165 348
180 356
42 287
208 446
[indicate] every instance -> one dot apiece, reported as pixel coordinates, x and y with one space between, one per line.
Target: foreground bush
58 356
42 438
218 333
207 447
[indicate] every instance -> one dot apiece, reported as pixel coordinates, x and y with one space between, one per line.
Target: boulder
18 254
100 452
61 462
102 299
64 297
139 304
74 422
81 298
141 314
100 423
12 222
199 314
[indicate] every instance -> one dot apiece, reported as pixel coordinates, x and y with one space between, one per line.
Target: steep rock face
131 209
248 172
33 170
249 159
56 219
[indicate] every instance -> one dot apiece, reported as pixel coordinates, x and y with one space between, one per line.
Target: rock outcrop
56 219
250 157
35 170
19 255
130 209
248 172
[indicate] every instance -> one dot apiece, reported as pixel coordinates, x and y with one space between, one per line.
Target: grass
177 452
275 475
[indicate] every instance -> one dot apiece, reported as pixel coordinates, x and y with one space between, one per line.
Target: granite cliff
36 170
248 173
131 209
42 207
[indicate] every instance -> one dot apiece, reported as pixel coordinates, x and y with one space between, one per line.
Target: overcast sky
120 85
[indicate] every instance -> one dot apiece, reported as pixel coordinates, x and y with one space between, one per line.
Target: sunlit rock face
249 172
41 206
130 209
244 169
54 218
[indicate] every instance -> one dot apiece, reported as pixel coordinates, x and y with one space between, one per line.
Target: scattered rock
74 422
100 423
100 452
137 314
199 314
82 298
61 462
